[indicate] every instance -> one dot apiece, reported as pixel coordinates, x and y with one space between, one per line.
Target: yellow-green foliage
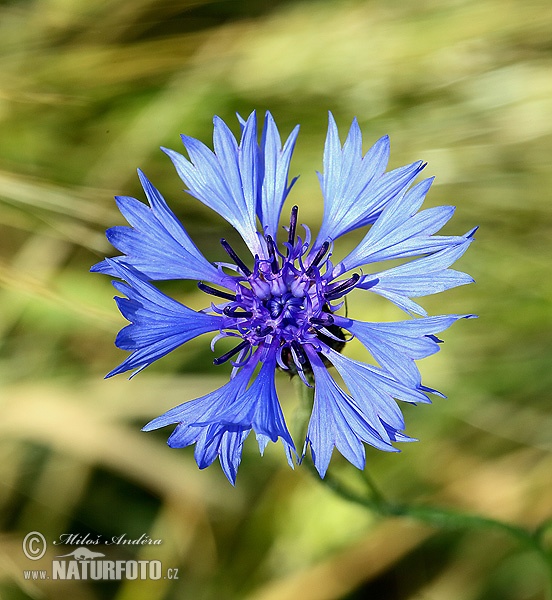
89 90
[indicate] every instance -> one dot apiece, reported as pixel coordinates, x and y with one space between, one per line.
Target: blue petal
374 391
337 420
273 174
206 408
396 345
226 442
156 243
356 189
400 231
159 324
219 422
421 277
225 180
212 442
198 424
259 408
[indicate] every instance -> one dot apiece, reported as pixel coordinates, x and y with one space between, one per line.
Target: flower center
283 303
286 306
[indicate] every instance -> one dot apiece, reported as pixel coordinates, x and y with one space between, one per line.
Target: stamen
281 360
235 312
272 253
301 361
299 352
327 320
318 257
243 267
343 288
263 332
214 292
231 353
292 226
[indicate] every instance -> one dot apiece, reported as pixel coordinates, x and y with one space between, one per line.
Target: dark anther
231 353
214 292
242 266
263 331
326 320
343 288
292 225
275 267
235 312
301 356
318 256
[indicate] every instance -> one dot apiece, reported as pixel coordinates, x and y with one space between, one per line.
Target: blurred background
88 93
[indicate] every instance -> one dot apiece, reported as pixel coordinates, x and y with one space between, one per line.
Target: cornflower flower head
282 304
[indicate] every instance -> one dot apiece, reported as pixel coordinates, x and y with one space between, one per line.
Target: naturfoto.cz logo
85 564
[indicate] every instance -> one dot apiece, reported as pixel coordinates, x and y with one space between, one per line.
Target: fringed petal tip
100 267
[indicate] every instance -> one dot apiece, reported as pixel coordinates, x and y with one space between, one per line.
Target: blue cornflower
282 304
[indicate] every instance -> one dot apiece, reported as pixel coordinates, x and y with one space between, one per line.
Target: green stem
439 517
442 518
435 516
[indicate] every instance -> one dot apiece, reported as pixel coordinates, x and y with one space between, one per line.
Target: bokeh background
89 90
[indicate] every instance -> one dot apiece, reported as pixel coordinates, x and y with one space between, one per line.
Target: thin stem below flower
442 518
